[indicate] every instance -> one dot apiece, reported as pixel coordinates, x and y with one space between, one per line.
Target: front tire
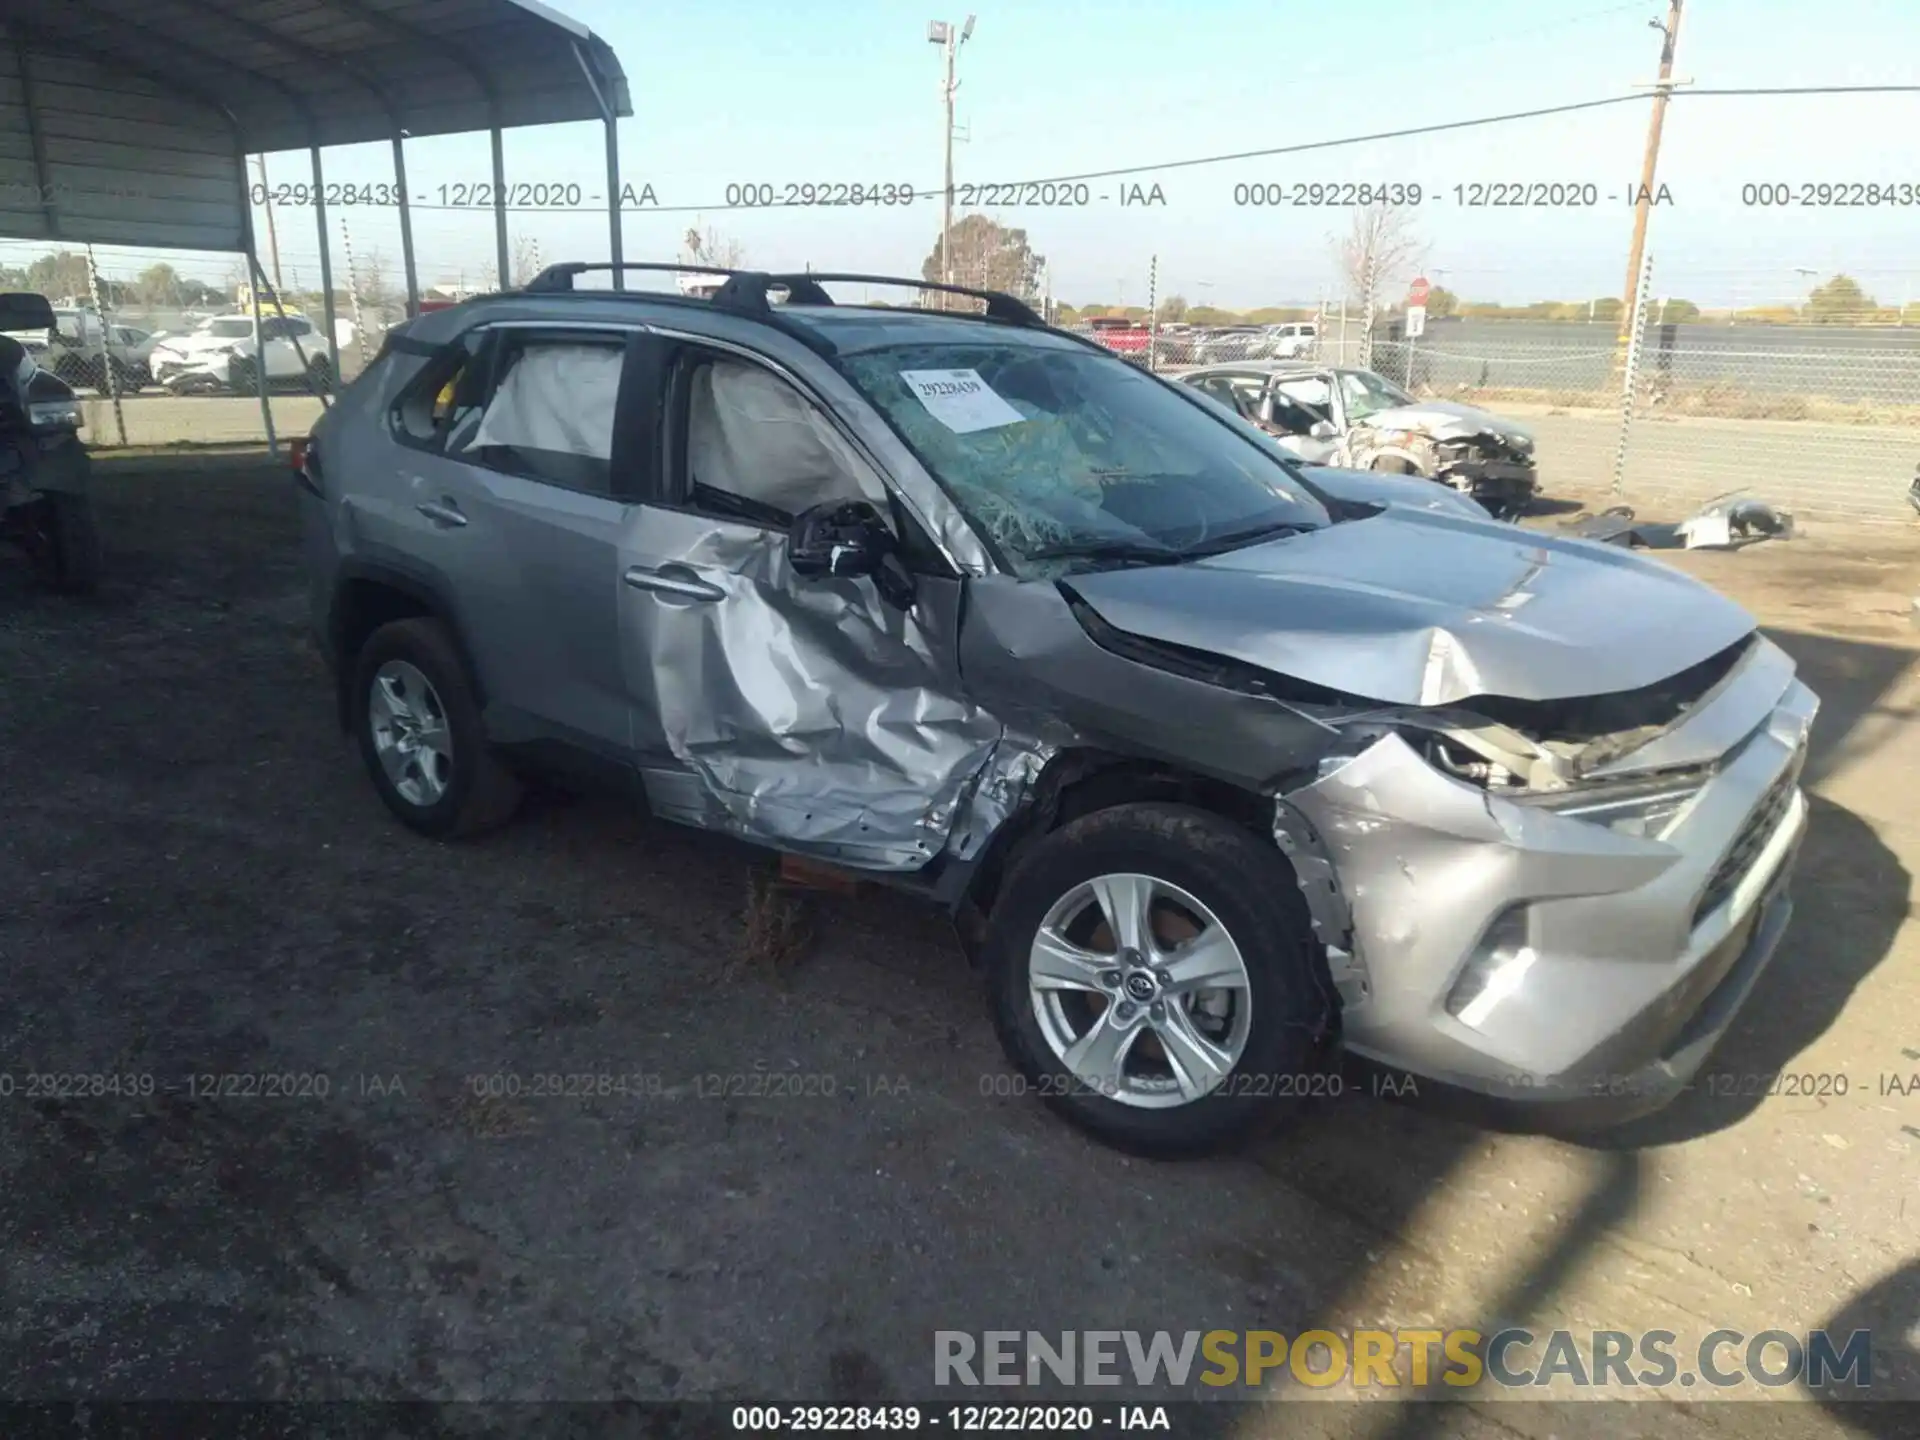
1154 978
65 543
417 721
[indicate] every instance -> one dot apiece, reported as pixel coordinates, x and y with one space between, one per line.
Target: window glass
757 449
1049 451
1366 393
1312 391
229 329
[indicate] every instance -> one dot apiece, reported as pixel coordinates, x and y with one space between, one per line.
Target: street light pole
942 33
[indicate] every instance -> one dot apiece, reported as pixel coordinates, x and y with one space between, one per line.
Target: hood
1381 487
1415 607
1445 420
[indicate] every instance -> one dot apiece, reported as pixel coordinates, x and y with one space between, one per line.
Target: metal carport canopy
128 121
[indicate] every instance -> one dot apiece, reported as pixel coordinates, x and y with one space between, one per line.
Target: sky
755 92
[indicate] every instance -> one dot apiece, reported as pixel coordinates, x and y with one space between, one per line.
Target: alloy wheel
1140 991
410 733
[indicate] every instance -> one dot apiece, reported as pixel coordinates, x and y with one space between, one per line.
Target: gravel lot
195 878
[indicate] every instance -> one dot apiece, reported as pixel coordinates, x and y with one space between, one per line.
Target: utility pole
1662 91
942 33
266 200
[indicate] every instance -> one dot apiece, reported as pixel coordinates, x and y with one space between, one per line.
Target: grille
1753 836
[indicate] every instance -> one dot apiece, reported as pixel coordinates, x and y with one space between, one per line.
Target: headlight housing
55 415
1648 810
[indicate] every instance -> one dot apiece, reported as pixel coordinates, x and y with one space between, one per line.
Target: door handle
440 513
676 580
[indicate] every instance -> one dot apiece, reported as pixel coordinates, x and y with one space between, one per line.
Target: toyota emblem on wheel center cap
1141 985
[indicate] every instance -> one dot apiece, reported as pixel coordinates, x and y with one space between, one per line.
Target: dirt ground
196 879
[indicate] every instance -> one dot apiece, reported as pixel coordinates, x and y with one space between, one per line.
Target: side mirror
1323 430
847 539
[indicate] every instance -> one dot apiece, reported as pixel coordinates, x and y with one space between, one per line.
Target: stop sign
1418 291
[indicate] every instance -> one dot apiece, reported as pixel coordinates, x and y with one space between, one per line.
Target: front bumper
1641 951
170 367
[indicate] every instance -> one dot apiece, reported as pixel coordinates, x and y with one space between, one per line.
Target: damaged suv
1221 763
1357 419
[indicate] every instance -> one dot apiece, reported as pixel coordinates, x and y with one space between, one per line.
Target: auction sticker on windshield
961 400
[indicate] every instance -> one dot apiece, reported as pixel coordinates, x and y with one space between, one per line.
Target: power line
1232 156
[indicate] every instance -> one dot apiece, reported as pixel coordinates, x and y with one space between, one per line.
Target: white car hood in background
1413 607
201 344
1445 420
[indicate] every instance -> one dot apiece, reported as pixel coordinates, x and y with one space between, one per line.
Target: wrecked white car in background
1358 420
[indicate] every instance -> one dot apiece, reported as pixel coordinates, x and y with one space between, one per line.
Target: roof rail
560 277
748 289
1000 305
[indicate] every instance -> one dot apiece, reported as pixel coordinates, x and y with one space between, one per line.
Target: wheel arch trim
417 584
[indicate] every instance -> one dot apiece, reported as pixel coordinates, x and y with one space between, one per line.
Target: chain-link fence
1820 423
1821 419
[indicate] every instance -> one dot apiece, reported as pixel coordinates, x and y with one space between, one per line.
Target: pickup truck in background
1121 335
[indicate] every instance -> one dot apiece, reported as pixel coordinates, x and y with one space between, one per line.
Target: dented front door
805 714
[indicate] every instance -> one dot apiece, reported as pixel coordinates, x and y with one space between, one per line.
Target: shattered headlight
1650 810
1521 444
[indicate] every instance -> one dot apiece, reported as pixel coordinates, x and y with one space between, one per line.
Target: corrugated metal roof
124 121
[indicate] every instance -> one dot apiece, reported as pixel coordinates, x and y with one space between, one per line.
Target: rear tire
1265 1023
320 375
417 721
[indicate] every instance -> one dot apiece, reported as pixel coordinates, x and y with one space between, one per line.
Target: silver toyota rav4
1222 764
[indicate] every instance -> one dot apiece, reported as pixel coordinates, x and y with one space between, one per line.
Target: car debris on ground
1727 522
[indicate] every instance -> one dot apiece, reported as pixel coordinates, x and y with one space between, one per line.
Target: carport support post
503 276
326 275
614 249
255 277
406 226
613 201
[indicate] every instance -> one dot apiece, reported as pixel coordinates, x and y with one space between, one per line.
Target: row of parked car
219 354
1180 344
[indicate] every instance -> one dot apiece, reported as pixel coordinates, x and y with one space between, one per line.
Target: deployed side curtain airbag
556 398
750 434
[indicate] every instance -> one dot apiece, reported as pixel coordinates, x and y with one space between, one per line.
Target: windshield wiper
1123 551
1220 544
